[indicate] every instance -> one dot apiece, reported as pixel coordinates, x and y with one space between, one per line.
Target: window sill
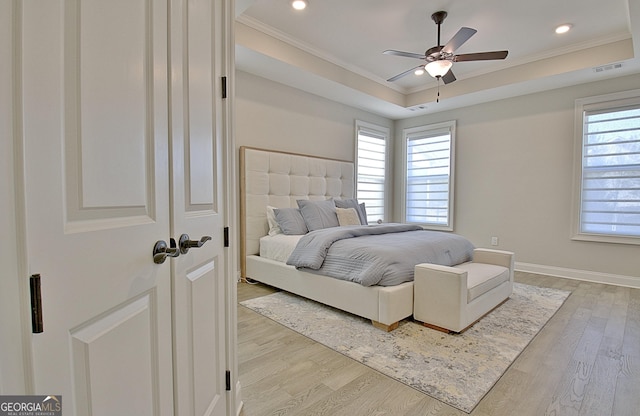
611 239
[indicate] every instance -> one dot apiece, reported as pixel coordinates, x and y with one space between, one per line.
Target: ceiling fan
440 59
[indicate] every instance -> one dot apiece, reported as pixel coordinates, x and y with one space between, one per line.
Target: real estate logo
31 405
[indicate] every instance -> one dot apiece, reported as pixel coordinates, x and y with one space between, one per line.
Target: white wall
274 116
514 166
514 180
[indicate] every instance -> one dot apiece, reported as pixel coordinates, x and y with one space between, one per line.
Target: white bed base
385 306
279 179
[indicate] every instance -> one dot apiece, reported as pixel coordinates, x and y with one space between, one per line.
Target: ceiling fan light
299 4
438 68
564 28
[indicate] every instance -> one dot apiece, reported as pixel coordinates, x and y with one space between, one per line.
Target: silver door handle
161 251
185 244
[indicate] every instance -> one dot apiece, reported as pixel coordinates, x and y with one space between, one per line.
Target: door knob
185 244
161 251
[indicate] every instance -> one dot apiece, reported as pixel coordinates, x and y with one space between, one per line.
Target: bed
279 180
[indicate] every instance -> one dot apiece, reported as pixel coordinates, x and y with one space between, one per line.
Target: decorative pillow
290 221
347 216
318 214
353 203
274 228
363 212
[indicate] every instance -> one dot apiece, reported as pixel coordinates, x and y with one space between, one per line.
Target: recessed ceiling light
564 28
419 71
299 4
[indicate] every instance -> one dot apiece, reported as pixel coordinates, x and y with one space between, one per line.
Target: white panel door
94 120
198 206
105 178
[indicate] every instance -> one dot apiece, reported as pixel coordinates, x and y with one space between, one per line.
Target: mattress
278 247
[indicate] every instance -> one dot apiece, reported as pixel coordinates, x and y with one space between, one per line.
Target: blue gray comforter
383 255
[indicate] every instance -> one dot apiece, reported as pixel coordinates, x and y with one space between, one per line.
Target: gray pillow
353 203
362 213
318 214
290 221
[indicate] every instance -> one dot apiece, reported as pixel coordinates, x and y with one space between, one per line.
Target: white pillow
353 203
274 228
347 216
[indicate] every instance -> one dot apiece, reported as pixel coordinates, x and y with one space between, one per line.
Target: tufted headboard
280 179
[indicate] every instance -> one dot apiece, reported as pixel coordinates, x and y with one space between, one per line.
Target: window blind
372 151
610 194
428 178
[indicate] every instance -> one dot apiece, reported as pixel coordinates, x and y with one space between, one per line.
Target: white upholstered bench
454 298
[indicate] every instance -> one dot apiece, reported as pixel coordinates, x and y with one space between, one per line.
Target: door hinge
228 380
226 236
224 87
36 304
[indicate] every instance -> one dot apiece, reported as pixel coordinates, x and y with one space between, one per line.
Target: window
608 135
371 156
429 167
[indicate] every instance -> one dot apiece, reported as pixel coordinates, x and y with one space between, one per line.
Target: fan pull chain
438 97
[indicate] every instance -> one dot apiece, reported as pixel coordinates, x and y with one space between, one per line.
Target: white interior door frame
234 401
15 330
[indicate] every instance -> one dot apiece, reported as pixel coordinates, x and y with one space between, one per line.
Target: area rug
455 369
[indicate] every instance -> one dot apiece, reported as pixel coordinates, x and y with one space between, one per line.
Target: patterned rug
455 369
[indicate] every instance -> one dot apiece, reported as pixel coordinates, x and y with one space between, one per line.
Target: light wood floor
585 361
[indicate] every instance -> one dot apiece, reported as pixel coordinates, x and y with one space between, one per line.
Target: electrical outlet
494 241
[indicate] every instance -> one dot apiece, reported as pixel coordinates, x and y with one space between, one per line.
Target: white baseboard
597 277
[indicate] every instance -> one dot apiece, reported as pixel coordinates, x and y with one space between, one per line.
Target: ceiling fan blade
407 72
448 78
480 56
405 54
458 39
